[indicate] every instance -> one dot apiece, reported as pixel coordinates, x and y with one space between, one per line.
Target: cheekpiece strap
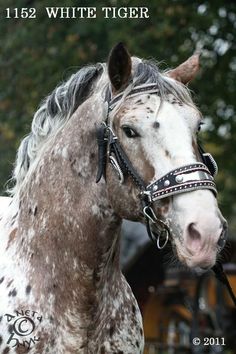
102 142
119 157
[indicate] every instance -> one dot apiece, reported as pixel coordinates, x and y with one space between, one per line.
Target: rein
183 179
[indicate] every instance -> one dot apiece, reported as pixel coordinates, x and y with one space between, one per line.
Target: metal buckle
147 194
152 217
112 134
166 232
210 163
116 168
149 213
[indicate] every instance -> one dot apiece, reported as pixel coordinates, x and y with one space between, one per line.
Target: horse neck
67 229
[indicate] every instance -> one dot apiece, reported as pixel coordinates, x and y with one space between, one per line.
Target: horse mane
52 114
60 105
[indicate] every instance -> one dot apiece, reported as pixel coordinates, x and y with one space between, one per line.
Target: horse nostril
193 233
193 238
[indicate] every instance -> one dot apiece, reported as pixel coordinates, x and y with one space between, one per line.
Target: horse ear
186 71
119 67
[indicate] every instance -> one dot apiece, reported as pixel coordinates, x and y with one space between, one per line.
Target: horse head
156 167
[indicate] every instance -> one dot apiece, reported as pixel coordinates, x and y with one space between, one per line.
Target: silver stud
155 188
179 178
166 183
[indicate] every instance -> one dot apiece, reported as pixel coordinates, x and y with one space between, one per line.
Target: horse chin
201 266
199 271
199 263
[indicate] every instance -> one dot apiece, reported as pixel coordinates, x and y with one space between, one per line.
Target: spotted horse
135 127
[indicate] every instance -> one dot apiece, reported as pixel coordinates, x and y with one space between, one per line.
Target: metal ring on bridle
151 217
160 247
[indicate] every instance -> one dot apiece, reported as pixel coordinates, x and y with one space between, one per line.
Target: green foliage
36 54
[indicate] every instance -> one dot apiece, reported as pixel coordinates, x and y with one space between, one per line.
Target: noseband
183 179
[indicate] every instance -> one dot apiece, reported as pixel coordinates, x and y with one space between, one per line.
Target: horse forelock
148 72
59 106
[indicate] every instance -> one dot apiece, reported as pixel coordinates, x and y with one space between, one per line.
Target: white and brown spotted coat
59 253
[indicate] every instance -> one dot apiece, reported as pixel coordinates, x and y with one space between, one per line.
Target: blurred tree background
36 54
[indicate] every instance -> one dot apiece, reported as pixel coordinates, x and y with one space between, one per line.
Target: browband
150 88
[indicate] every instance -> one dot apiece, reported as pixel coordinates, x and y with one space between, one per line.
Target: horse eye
129 132
200 126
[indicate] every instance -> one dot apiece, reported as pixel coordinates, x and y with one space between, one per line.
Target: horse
117 140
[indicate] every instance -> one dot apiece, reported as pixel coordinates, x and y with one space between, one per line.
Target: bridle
186 178
199 175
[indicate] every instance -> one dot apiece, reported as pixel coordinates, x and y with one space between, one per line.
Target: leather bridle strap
184 179
221 276
150 88
117 154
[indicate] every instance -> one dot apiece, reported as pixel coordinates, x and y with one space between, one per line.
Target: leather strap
125 164
221 276
102 152
184 179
